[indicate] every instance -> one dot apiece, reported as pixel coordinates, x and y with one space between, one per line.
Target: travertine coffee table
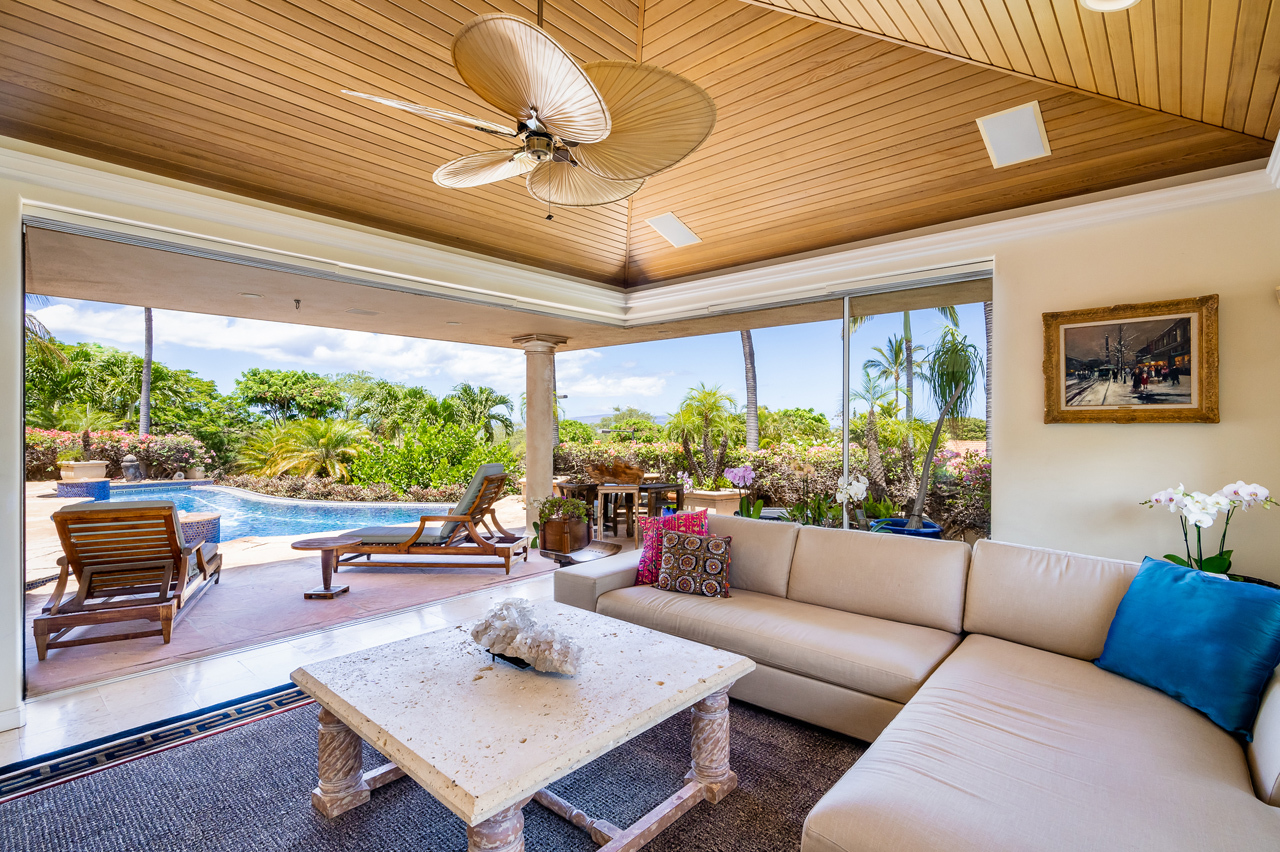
484 737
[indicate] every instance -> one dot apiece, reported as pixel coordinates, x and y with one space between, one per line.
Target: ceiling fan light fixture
1108 5
538 147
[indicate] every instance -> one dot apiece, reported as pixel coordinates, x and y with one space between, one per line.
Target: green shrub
325 488
163 455
645 431
576 432
434 456
967 429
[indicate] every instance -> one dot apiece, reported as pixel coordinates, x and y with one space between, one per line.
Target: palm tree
954 369
319 447
949 314
706 415
144 401
874 395
72 417
39 340
261 455
475 406
752 412
892 363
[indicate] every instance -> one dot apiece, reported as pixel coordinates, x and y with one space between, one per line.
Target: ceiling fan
588 135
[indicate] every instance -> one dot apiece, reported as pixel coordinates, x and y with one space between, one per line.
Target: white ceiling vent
676 232
1015 135
361 312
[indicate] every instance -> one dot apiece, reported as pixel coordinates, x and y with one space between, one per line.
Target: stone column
539 407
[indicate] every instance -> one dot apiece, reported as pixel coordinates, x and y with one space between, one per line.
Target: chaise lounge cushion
1013 749
870 655
397 535
911 580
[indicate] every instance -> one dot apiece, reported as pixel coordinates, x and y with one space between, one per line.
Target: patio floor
258 600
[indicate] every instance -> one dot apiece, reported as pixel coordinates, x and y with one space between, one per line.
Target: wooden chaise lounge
130 564
471 530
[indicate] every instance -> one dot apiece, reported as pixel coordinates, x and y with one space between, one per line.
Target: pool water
245 513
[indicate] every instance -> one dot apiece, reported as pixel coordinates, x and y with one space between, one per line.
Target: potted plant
955 367
1199 510
562 525
742 477
74 467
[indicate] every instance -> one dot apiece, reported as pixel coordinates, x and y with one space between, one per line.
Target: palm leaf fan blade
567 185
480 169
659 118
519 69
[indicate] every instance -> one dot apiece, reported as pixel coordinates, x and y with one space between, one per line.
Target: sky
797 366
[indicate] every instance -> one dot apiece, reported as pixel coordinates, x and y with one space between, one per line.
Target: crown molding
966 246
63 186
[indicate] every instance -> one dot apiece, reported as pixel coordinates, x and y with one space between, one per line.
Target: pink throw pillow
651 529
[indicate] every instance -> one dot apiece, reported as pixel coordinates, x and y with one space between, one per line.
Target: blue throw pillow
1205 640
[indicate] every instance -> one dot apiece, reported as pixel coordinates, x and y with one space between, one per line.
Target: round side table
328 547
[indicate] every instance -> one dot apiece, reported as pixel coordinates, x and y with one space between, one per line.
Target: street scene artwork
1146 362
1155 362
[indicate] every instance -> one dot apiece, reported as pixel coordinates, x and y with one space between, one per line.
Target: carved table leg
342 785
711 747
502 832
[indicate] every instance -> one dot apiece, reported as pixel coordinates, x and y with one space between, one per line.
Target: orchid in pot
741 478
1200 510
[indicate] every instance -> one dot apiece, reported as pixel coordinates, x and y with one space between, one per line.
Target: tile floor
72 716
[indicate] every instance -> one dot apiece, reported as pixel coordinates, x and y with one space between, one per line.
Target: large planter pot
898 526
715 502
74 471
565 536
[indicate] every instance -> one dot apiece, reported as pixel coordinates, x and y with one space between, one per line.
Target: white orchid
851 491
1200 510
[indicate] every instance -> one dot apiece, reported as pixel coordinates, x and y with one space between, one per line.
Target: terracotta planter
75 471
565 536
715 502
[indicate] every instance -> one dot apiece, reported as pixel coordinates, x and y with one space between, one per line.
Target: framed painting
1150 363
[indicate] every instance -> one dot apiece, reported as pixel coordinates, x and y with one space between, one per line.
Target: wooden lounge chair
455 534
131 564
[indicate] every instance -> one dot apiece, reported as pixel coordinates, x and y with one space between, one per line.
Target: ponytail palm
955 368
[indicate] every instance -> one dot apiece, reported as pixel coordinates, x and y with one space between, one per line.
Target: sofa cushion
1197 637
1264 751
871 655
1012 749
912 580
1048 599
695 564
762 552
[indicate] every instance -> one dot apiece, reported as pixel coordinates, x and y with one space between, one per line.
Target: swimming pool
245 513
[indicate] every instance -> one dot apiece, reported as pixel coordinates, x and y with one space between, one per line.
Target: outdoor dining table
653 493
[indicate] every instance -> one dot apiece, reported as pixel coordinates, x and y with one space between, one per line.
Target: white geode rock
511 629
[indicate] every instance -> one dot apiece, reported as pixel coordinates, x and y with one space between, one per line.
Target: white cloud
326 350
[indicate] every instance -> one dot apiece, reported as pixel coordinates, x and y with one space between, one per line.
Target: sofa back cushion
912 580
1264 751
1047 599
762 552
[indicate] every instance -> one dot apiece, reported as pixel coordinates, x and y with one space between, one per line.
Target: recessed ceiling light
1108 5
252 295
361 312
676 232
1015 135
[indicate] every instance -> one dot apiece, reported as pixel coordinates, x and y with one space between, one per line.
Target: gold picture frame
1155 362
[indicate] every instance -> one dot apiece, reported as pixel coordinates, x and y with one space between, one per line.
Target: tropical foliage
432 456
707 419
289 394
576 432
164 455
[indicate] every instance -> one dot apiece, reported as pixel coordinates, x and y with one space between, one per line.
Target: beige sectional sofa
972 675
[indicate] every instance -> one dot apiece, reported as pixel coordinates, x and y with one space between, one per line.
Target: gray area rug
249 789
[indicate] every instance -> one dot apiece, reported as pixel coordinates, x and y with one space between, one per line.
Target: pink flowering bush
163 455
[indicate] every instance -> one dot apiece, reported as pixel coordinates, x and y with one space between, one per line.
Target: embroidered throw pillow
651 530
695 564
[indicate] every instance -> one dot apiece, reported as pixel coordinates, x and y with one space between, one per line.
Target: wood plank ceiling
1216 61
824 135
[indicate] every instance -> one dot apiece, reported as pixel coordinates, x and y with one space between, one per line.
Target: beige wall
1076 486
